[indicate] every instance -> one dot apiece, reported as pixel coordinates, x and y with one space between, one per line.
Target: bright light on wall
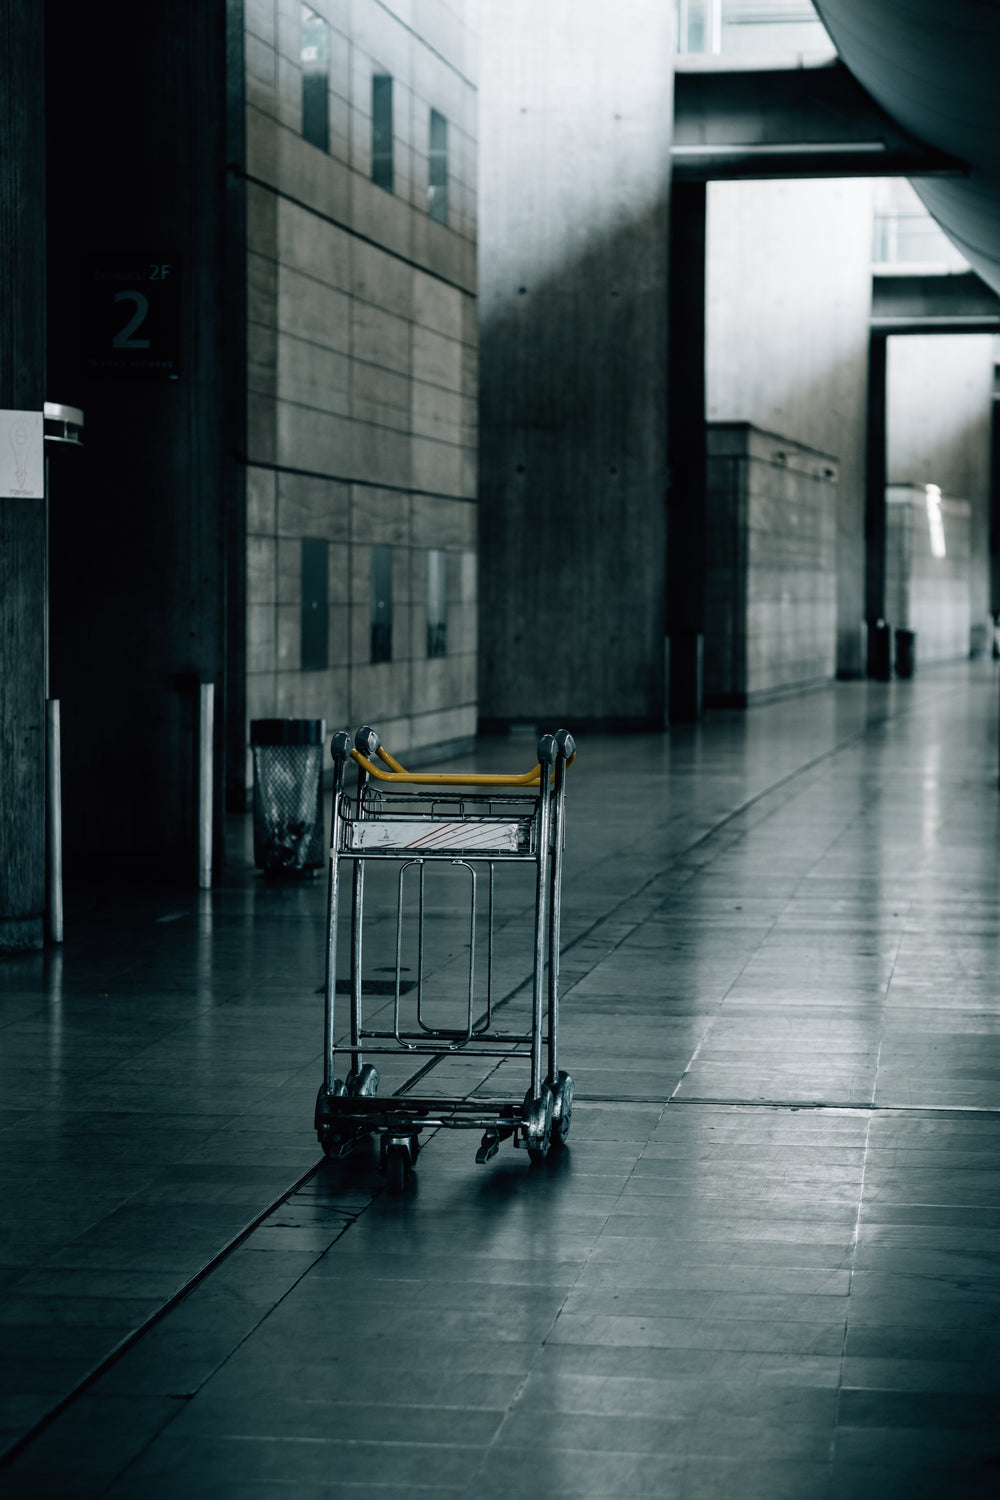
935 524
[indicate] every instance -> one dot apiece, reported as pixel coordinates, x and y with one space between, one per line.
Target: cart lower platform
345 1120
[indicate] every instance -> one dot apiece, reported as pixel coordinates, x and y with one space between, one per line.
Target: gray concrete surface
765 1265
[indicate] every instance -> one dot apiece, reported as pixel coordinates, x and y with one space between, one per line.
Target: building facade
361 535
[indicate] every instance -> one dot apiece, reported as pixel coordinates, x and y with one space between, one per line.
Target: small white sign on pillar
22 455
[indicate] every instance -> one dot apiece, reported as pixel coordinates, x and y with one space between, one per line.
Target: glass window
315 624
382 131
437 603
749 26
315 57
381 604
437 188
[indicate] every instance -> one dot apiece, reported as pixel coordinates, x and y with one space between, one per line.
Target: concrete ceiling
932 65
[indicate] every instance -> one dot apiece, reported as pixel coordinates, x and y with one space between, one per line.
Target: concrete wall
575 121
928 558
770 606
939 405
362 366
789 299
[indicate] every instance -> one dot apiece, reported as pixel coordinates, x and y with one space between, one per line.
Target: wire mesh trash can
288 795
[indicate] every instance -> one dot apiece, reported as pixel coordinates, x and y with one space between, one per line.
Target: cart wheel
562 1110
397 1164
414 1147
538 1125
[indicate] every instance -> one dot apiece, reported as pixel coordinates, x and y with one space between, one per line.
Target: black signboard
132 315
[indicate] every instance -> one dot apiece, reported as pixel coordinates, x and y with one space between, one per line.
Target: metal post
53 822
546 755
45 613
555 911
340 749
206 745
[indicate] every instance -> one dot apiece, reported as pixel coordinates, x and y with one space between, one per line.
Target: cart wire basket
476 823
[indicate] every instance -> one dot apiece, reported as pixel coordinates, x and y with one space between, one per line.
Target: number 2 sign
133 315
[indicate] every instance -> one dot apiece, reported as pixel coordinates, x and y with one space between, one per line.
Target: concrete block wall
927 587
362 366
771 581
788 308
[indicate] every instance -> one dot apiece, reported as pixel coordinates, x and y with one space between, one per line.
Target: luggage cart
474 822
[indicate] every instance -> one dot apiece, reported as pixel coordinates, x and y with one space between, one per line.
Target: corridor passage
765 1267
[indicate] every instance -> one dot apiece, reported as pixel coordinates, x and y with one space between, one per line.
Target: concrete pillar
576 104
141 200
22 522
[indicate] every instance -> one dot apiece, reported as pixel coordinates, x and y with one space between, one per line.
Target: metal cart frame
501 819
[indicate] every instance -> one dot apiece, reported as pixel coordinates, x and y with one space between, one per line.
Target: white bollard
53 823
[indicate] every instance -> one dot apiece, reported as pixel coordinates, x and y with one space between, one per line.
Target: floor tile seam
883 1017
473 1489
852 1271
714 1017
677 860
124 1345
130 1055
182 1406
797 1106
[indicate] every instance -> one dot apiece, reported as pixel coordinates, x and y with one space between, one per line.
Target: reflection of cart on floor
474 823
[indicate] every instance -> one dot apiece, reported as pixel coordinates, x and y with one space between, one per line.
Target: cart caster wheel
562 1109
397 1164
488 1147
538 1125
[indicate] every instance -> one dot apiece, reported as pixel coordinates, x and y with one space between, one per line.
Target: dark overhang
807 120
933 302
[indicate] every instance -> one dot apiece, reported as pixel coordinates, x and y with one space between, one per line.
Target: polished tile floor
766 1265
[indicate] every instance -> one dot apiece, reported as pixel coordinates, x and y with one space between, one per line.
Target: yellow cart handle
366 739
